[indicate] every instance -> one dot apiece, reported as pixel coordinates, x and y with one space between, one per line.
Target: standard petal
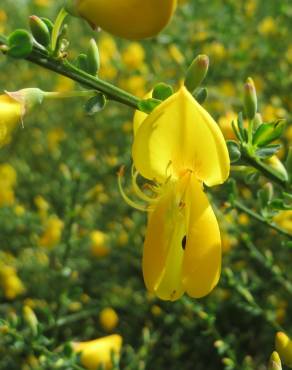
163 252
130 19
202 259
181 133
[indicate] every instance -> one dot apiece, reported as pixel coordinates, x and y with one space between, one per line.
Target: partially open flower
13 106
178 147
130 19
98 352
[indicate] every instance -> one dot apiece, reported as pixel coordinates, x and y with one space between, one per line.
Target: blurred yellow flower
284 219
130 19
98 244
133 56
10 282
179 146
98 352
108 319
52 234
267 26
283 346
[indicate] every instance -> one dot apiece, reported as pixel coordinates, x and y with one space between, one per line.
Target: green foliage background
232 328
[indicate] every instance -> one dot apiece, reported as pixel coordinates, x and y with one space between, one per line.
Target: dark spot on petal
184 242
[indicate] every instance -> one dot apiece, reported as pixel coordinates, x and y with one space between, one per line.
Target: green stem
266 170
261 219
66 69
57 27
67 94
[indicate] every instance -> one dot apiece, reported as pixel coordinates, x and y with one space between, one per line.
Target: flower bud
39 30
197 72
250 99
275 362
284 348
130 19
278 166
30 318
93 60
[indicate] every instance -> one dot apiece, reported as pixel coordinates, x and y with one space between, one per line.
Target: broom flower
179 147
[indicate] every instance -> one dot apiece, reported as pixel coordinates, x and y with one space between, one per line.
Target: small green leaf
268 151
148 105
268 132
20 44
240 125
95 104
234 150
265 195
201 95
82 62
162 91
252 177
280 205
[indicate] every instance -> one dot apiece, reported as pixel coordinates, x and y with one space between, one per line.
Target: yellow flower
97 352
98 245
133 56
108 318
130 19
10 282
179 147
52 233
10 115
284 348
267 27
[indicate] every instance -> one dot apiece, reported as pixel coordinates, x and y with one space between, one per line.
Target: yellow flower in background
133 56
10 115
10 282
283 346
97 352
8 179
98 244
179 147
130 19
267 27
52 233
108 319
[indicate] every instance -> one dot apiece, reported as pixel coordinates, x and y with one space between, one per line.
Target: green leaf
93 59
48 23
233 150
162 91
242 130
147 105
201 95
268 132
268 151
20 44
95 104
279 204
265 195
252 177
82 62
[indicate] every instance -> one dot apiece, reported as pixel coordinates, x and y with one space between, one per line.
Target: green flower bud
39 30
93 60
196 72
250 99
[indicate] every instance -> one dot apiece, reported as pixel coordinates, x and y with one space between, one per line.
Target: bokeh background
70 248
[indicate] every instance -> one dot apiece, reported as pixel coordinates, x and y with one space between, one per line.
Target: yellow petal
10 114
202 259
97 352
131 19
163 253
181 132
